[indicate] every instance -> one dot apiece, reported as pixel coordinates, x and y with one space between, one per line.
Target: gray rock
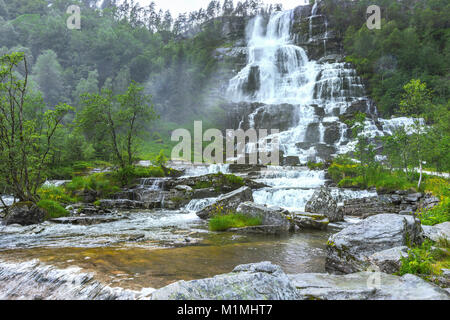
389 261
228 202
258 281
121 204
322 202
262 229
436 232
24 213
348 251
85 221
310 221
270 216
366 286
183 188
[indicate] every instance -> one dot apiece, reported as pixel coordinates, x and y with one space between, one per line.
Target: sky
179 6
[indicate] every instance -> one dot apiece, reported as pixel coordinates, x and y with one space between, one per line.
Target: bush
102 183
53 209
315 166
437 214
424 260
57 194
225 222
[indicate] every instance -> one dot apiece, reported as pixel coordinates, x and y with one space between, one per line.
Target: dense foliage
413 43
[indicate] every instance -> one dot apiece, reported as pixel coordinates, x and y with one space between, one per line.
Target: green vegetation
426 260
222 222
412 43
53 209
315 166
219 181
440 213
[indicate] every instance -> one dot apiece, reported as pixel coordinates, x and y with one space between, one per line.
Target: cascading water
280 75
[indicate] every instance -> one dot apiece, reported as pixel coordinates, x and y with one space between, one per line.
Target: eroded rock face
349 250
24 213
228 202
270 216
366 286
322 202
258 281
437 232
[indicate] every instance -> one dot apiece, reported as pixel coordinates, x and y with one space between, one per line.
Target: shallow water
137 266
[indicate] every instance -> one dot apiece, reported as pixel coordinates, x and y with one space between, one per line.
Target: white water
280 72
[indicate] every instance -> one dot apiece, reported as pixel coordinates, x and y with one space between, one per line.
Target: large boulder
310 221
349 250
366 286
270 216
24 213
227 202
258 281
322 202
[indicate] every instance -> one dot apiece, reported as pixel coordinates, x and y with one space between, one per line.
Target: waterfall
280 73
277 70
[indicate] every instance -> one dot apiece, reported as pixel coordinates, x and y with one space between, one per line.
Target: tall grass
228 221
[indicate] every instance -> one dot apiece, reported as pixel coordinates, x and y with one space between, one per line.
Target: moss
52 209
228 221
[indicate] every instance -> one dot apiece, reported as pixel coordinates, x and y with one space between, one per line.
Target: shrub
225 222
53 209
418 261
315 166
57 194
437 214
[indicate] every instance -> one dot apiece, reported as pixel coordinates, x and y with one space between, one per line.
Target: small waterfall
196 205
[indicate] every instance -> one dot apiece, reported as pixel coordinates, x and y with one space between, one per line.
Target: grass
53 209
58 194
225 222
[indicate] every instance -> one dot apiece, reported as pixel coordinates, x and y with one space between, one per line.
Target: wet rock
228 202
85 221
389 261
322 202
349 250
291 161
183 188
122 204
258 281
86 209
270 216
310 221
24 213
262 229
366 286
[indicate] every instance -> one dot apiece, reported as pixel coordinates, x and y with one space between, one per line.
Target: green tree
26 137
123 118
48 74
